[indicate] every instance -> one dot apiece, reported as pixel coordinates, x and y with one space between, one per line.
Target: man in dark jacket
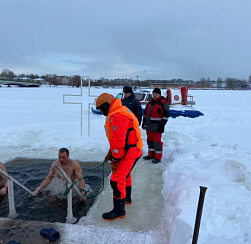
155 117
132 103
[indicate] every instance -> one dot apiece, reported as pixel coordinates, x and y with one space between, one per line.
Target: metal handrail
67 179
69 218
12 210
17 182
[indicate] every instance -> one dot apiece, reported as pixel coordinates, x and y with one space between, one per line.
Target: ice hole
48 206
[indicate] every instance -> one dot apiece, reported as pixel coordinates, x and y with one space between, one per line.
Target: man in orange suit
124 136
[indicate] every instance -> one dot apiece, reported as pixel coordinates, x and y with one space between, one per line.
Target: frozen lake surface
212 150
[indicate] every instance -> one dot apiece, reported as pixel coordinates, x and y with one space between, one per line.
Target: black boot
155 161
118 210
128 195
147 157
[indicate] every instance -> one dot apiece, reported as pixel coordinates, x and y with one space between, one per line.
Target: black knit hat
157 90
127 89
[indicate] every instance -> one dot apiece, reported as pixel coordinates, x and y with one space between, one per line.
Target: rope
85 192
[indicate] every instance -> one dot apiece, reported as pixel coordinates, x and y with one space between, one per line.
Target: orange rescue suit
124 135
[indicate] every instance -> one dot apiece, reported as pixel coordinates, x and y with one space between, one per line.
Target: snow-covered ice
211 151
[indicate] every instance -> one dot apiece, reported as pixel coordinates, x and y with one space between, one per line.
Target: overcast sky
151 39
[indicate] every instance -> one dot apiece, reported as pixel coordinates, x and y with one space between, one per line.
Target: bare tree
8 74
233 83
76 81
53 80
219 83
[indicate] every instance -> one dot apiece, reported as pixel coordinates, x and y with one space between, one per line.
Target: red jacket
156 112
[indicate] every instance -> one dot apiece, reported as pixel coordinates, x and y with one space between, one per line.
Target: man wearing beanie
154 119
132 103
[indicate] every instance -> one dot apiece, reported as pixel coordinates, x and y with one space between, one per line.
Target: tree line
75 81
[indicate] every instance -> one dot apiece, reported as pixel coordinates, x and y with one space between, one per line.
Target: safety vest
116 107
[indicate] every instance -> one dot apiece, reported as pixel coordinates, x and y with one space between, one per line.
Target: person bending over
124 136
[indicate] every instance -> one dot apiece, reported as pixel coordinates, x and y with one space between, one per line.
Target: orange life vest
116 107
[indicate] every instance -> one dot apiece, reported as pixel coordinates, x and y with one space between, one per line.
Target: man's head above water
63 155
62 150
71 167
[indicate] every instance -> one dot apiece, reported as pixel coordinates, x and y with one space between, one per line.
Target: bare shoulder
77 169
2 167
75 164
54 163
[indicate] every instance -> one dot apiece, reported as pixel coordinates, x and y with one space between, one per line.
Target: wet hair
64 150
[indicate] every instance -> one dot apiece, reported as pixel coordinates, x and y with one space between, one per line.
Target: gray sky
151 39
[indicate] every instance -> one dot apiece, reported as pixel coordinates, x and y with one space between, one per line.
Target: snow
211 151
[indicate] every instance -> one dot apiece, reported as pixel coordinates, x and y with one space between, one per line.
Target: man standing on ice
124 136
71 167
132 103
154 120
3 181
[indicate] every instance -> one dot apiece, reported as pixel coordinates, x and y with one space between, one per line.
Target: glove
108 157
161 128
144 123
114 165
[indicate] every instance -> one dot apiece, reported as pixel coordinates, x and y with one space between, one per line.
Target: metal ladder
69 218
12 209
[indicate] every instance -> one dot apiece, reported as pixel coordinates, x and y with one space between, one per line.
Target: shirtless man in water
3 181
71 167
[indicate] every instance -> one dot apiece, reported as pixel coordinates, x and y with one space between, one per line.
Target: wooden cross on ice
81 103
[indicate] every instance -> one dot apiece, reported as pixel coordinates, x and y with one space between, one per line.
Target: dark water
48 206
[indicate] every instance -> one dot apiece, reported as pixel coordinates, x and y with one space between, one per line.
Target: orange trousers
122 177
